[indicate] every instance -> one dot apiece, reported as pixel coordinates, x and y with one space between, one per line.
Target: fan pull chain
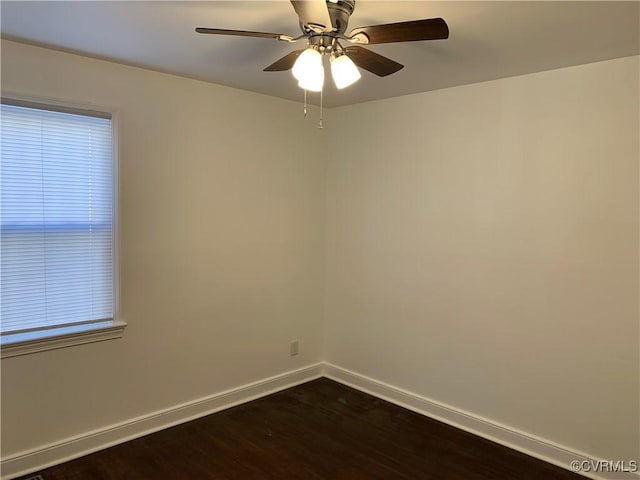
321 122
305 102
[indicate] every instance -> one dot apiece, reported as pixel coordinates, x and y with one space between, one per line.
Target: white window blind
56 218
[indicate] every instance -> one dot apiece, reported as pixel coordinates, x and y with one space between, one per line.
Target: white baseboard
70 448
510 437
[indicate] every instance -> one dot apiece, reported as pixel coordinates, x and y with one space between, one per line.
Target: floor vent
35 477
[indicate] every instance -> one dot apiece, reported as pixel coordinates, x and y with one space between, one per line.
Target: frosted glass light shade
307 65
344 71
314 82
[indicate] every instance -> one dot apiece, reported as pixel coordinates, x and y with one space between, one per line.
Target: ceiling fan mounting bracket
359 38
312 28
287 38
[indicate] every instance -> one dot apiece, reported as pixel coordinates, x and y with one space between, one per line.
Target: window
57 229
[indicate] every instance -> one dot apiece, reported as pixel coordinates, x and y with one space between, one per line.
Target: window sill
26 343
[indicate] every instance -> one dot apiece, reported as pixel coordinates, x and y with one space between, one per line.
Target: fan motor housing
339 12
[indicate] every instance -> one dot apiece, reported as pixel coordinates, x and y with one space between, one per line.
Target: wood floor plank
318 430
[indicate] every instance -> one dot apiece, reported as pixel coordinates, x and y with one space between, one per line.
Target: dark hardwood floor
318 430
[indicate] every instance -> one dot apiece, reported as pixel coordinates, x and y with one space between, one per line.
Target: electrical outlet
294 348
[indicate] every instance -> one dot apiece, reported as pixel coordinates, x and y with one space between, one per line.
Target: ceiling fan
323 24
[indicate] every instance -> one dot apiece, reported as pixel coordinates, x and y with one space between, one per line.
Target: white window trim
13 345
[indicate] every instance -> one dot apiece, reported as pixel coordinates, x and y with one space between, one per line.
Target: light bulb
344 71
314 82
307 64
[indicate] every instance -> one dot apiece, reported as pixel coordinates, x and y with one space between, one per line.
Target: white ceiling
488 40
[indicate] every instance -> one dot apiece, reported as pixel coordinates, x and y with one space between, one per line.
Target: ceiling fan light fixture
308 64
313 83
344 71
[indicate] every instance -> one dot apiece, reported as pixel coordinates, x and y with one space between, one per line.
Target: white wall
221 249
483 251
481 242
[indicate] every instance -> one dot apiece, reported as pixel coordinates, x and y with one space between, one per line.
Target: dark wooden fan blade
413 31
243 33
314 14
373 62
285 63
